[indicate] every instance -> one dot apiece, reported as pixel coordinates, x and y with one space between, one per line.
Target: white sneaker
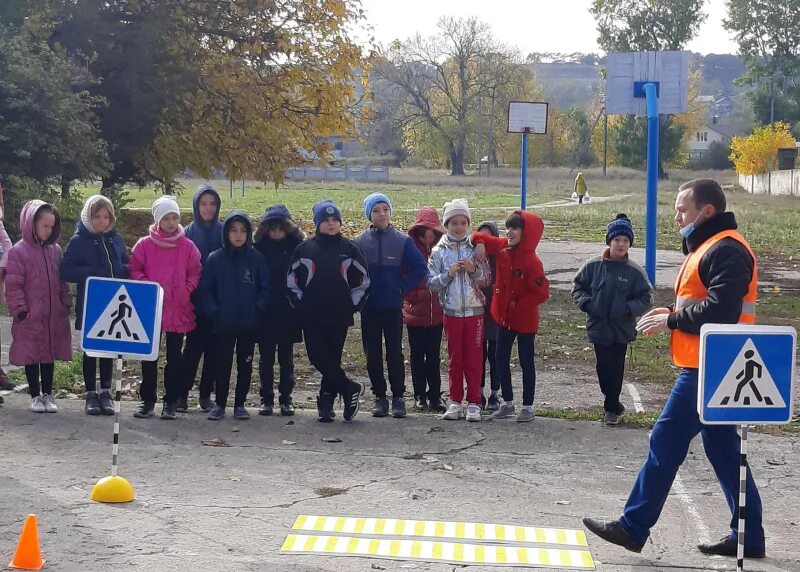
473 412
49 403
453 412
37 404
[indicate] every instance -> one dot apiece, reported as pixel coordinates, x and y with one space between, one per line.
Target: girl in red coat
422 315
519 288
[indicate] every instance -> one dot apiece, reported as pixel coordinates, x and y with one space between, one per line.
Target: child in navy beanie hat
620 226
323 209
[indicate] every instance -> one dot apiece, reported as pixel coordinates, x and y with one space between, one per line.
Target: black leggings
90 372
32 374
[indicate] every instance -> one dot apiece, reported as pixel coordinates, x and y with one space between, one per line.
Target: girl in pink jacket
166 256
38 301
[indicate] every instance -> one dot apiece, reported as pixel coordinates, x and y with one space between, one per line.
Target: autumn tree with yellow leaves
758 153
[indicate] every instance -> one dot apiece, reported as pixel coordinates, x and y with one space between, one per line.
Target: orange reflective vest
690 290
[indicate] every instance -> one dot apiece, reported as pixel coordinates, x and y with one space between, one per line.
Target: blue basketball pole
524 174
651 232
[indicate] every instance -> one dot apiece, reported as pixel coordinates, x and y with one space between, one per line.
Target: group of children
228 287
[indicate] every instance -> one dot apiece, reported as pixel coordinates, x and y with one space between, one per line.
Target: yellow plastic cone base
113 489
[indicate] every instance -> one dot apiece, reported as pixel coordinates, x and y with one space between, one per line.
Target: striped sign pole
117 407
742 500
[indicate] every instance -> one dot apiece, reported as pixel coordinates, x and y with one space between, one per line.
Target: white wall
772 183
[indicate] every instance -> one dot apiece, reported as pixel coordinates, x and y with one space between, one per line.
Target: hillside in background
572 80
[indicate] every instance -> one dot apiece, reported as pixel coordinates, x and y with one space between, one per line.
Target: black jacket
612 293
282 323
327 281
92 254
725 270
235 284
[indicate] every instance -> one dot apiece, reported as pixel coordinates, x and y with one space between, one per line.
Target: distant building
708 134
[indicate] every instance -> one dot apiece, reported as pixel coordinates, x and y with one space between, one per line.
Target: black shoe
325 407
287 409
398 407
436 406
2 400
350 399
106 403
621 411
92 403
421 403
205 404
145 410
483 403
493 403
265 409
5 383
612 532
169 411
381 407
727 547
182 406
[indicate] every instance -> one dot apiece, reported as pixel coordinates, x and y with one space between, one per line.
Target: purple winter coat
33 286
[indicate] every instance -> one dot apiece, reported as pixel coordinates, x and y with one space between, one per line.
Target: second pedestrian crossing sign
746 374
122 318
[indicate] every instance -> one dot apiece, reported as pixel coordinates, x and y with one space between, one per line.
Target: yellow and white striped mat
440 541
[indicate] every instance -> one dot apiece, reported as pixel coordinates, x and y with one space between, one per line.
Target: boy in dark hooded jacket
276 238
490 331
235 284
613 290
205 231
519 289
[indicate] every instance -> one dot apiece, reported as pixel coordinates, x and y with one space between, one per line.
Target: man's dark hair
706 192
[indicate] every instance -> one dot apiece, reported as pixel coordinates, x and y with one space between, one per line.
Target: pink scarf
163 239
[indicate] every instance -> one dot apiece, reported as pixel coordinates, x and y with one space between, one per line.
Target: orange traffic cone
28 555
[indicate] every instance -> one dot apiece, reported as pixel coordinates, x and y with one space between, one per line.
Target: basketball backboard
527 117
627 71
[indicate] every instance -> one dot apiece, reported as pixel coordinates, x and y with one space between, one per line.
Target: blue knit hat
276 213
323 209
620 226
372 200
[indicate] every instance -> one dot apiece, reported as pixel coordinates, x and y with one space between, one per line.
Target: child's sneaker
473 412
240 412
436 405
205 404
350 399
183 404
526 415
325 407
421 403
287 409
106 403
37 404
49 403
145 410
381 407
505 411
398 407
92 403
216 413
169 411
453 412
265 409
5 383
493 403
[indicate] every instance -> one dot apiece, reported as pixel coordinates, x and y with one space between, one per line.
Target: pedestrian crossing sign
122 318
746 374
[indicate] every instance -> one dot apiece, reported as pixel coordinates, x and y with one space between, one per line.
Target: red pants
465 350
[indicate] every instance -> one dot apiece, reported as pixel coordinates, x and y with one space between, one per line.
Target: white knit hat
162 206
454 208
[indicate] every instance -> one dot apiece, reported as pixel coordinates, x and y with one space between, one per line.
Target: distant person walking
580 188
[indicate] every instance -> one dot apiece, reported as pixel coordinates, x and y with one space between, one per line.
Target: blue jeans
525 343
678 424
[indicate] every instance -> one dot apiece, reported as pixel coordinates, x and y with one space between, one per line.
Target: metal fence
346 173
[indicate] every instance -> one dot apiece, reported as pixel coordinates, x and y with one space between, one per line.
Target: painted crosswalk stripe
440 551
504 533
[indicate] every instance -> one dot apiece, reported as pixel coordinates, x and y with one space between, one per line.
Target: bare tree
444 80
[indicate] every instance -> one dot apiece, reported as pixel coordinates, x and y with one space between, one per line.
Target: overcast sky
562 26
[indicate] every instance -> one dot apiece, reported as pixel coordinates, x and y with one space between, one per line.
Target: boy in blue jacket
205 231
96 249
235 290
395 268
